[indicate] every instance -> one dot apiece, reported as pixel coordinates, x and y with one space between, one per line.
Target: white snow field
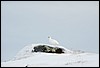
39 59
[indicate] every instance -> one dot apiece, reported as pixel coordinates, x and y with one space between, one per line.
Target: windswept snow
68 59
27 51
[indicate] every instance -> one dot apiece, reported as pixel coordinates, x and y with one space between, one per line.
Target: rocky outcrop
47 49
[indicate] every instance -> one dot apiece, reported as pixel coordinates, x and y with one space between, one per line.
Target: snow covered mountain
51 56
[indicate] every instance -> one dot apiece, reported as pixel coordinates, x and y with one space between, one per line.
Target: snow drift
27 50
28 57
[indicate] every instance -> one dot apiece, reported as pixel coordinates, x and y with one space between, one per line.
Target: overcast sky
75 24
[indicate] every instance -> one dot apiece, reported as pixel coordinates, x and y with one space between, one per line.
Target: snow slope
39 59
26 51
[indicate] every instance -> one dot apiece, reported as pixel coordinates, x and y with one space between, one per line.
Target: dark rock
48 49
59 50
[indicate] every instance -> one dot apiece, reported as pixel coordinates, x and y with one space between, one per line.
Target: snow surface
68 59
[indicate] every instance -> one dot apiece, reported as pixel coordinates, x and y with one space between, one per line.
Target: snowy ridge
39 59
26 51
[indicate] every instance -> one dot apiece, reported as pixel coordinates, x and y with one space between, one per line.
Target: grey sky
75 24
